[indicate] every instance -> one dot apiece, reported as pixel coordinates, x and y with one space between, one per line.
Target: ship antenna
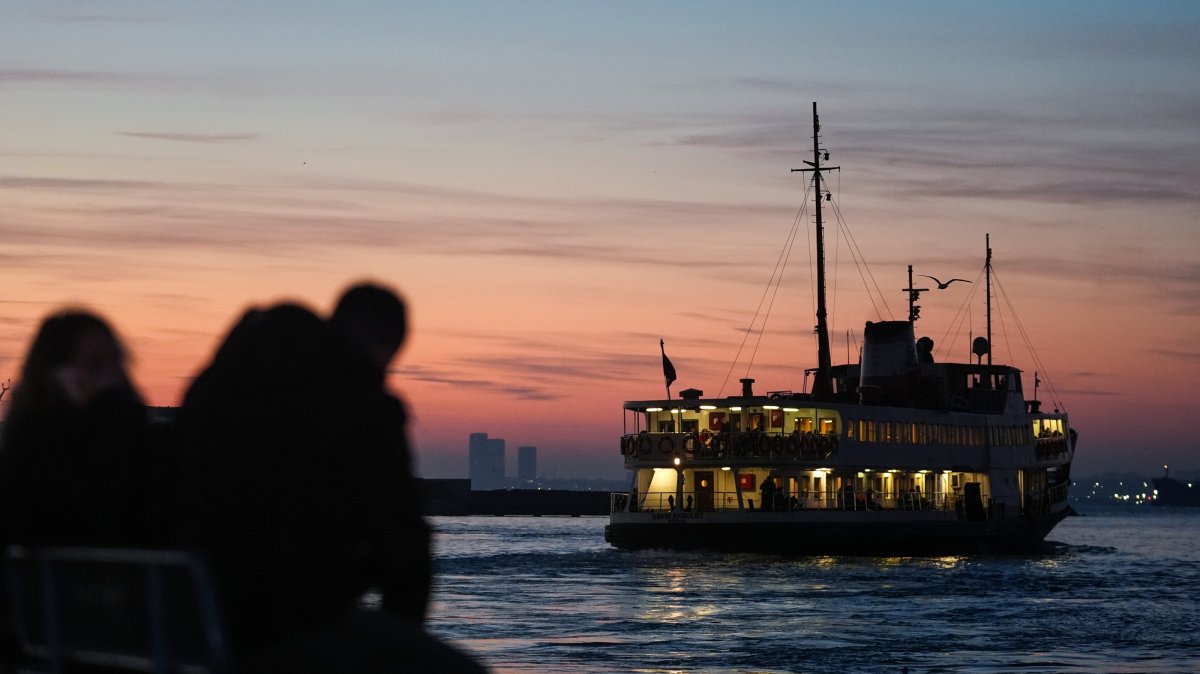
987 266
914 294
823 381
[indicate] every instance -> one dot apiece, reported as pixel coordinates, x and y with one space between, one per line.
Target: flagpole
669 375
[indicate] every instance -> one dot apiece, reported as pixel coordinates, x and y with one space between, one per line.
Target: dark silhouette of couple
287 468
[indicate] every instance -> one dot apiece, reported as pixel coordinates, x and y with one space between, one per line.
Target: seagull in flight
943 286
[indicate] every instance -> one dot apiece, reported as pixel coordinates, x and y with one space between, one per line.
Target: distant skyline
556 186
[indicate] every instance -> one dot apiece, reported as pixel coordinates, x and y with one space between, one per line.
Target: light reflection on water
547 594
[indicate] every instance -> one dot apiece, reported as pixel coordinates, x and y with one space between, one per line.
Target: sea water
1115 591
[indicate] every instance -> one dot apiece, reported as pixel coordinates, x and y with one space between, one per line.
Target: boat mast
823 381
987 266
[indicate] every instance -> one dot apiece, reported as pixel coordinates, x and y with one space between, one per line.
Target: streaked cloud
62 76
192 137
477 384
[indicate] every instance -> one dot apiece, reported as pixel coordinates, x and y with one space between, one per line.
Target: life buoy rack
666 445
644 445
630 446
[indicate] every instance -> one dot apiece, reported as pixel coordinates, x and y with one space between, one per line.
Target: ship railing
869 500
780 447
1051 446
1041 502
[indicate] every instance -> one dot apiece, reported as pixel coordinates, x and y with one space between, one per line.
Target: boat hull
871 533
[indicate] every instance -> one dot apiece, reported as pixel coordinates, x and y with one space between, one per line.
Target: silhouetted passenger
924 350
295 480
74 463
767 490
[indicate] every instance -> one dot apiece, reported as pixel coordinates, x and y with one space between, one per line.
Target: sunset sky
555 186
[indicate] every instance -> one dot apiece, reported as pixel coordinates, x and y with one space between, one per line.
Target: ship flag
667 368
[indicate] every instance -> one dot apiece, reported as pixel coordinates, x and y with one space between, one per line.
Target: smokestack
747 388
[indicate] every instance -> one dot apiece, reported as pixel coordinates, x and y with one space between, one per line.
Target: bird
943 286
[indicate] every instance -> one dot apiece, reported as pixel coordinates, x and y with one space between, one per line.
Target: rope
775 280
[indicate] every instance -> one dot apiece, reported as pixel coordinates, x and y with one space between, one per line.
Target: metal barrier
119 609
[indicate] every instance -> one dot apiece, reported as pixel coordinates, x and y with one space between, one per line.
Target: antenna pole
823 381
988 271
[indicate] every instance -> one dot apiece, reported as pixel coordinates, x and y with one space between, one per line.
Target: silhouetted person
767 492
924 350
74 462
294 479
372 323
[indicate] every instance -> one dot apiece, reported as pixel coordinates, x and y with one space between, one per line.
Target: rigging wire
961 316
775 280
860 262
1037 361
778 283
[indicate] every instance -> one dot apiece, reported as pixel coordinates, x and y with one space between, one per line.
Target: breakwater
455 497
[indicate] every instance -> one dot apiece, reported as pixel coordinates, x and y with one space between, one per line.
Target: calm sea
1116 592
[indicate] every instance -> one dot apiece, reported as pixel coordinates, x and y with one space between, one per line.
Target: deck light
791 409
708 407
735 409
770 407
677 461
653 409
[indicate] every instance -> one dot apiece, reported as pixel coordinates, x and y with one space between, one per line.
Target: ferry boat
894 454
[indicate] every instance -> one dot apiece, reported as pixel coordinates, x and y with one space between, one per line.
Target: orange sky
556 188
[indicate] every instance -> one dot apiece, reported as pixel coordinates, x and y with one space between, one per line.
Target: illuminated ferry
894 454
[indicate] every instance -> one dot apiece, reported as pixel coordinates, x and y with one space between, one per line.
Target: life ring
644 445
666 445
690 443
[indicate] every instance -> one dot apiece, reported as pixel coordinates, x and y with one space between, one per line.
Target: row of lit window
868 430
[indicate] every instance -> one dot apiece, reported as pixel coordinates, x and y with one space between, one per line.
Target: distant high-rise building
526 463
487 462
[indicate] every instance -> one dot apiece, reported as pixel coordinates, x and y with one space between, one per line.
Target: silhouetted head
74 356
373 319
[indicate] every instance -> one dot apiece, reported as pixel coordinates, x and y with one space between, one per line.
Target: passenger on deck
295 480
74 464
767 490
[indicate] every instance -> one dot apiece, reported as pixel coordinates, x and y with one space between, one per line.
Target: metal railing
662 501
721 446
